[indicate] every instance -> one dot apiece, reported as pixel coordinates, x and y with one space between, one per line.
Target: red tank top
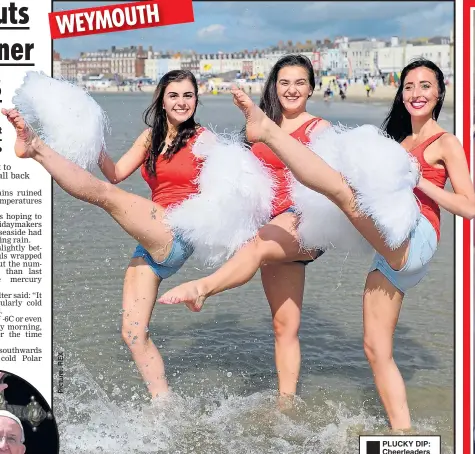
282 199
175 179
429 208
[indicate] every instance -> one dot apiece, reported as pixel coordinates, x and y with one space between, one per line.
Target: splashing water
212 422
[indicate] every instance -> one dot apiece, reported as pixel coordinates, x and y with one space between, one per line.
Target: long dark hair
155 117
270 103
398 122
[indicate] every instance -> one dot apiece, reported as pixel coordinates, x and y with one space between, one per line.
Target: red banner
124 16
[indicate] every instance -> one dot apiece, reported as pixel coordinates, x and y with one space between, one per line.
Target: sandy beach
354 93
357 93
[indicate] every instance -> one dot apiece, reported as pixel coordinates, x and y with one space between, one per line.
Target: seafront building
351 58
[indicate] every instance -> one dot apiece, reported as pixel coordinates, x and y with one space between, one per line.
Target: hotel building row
343 56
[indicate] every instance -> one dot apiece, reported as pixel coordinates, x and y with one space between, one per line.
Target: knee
258 249
285 329
134 337
375 352
104 192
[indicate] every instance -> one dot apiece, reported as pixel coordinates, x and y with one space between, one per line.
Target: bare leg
140 291
139 217
315 173
275 242
381 306
283 285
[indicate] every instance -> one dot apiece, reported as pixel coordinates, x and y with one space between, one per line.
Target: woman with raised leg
412 121
289 85
164 154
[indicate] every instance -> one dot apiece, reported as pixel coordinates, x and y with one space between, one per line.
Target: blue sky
232 26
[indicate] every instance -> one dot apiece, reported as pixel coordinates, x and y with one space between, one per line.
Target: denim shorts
179 254
422 247
318 251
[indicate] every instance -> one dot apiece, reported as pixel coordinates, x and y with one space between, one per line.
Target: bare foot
26 141
256 119
285 402
189 293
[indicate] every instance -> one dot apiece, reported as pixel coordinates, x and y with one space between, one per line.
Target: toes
168 300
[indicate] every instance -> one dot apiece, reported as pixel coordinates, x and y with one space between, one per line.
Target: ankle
266 130
402 429
204 288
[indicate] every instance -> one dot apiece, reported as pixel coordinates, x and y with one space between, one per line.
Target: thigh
284 286
279 240
422 247
139 295
142 219
381 307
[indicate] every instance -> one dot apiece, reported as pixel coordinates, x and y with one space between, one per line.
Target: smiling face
10 437
420 92
293 88
179 101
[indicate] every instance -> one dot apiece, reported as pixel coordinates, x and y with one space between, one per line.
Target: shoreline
354 94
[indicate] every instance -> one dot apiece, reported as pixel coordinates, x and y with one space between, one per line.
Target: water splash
215 421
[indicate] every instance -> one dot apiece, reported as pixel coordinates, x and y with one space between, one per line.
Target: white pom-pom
234 200
64 116
381 173
322 224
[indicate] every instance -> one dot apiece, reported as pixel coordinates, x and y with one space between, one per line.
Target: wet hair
270 103
398 122
155 117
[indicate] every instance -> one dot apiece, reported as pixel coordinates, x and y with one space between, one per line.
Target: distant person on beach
437 154
327 94
12 436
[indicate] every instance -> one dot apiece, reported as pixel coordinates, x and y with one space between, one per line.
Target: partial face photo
11 434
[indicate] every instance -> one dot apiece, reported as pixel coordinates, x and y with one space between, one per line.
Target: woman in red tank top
163 151
289 85
412 122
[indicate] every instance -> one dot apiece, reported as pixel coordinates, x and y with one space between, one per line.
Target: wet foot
25 138
190 294
286 402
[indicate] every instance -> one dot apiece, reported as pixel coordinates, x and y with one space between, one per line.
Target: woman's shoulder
315 124
146 134
447 137
449 143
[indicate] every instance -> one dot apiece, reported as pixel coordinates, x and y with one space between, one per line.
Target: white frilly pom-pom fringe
322 224
64 116
381 173
234 199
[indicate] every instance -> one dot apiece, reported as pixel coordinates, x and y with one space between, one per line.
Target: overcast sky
232 26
